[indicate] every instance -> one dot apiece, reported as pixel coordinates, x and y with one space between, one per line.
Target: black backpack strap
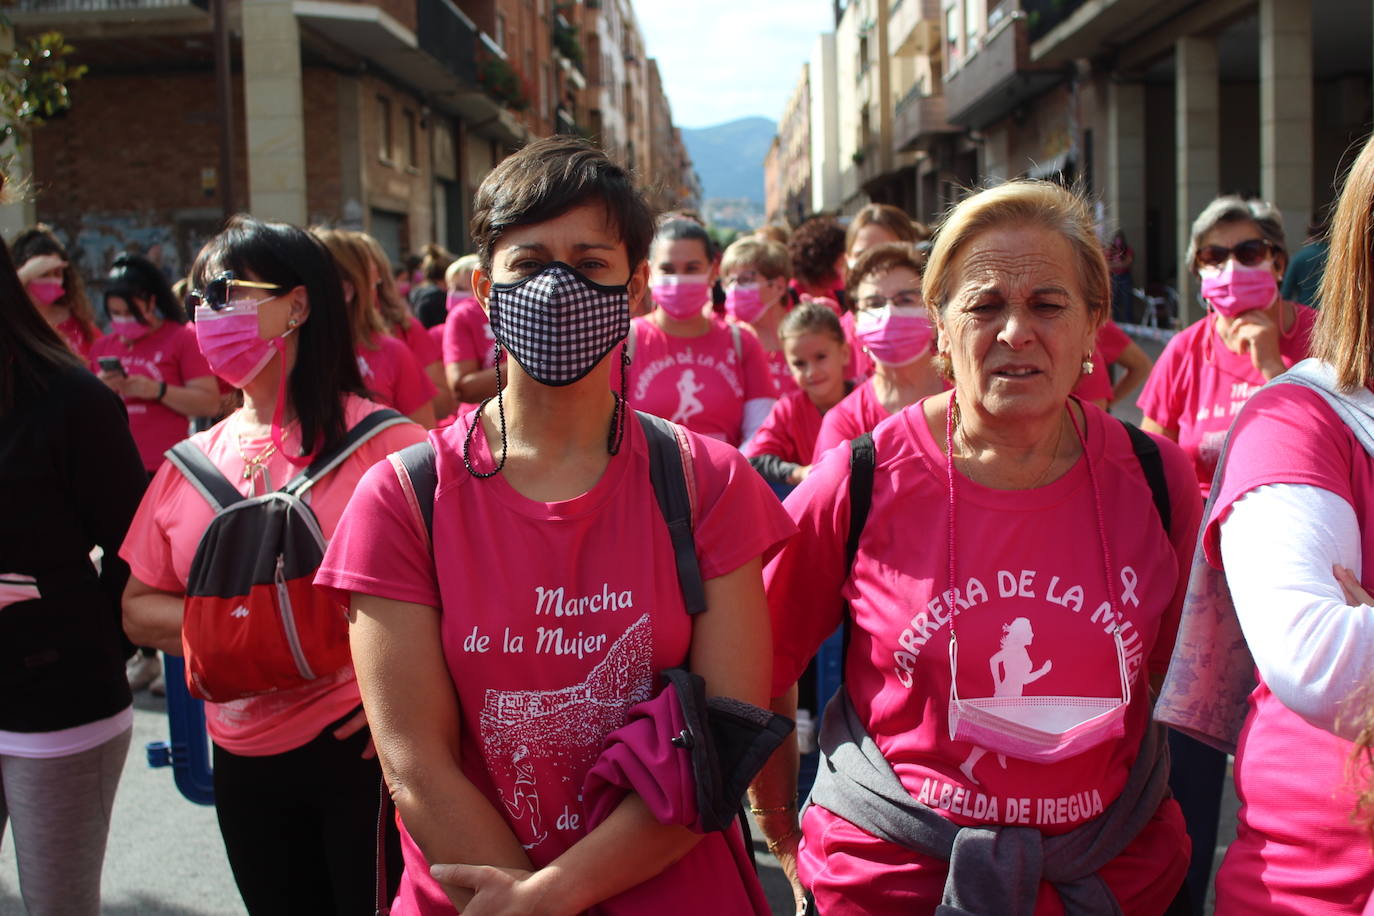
418 463
862 460
675 503
1152 465
208 480
363 430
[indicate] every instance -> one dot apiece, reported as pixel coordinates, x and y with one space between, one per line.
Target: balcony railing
917 116
99 6
1043 15
913 27
448 37
998 77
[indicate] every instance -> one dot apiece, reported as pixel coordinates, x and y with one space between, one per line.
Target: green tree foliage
34 77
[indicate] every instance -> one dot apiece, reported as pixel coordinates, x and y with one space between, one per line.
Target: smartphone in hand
112 364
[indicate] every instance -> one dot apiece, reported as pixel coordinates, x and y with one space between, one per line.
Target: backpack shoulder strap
1152 465
419 476
208 480
362 431
862 460
670 471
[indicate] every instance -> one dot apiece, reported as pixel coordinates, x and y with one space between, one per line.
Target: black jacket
70 479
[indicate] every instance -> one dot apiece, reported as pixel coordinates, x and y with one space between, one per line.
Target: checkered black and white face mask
557 324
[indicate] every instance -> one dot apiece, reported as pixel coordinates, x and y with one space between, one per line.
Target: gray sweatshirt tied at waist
992 869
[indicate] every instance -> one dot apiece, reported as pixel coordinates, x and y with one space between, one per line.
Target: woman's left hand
1354 591
496 891
352 727
140 386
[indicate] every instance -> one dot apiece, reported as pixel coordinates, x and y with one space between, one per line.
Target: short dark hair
681 228
133 276
880 259
548 178
815 247
326 368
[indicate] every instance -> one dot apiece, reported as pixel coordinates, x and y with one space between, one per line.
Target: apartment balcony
81 19
913 28
918 117
997 77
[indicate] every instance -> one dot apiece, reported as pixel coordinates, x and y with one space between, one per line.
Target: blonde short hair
1024 202
461 268
1344 337
766 256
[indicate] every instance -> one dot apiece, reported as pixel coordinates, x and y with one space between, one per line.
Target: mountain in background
729 157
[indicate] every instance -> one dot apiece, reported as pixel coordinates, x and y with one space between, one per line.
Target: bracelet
162 391
780 809
774 845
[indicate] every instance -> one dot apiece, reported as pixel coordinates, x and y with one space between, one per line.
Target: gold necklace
252 465
971 460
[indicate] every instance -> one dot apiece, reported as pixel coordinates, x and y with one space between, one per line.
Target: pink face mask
744 302
894 334
1235 288
682 296
46 292
230 342
129 329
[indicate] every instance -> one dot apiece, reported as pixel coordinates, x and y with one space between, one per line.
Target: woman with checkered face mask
506 677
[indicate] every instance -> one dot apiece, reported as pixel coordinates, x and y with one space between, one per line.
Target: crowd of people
503 576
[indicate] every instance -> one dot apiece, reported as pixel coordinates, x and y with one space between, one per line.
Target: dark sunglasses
1248 253
216 292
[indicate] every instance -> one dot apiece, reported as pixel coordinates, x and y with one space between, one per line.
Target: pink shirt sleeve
412 388
422 346
1112 341
1161 398
453 330
380 513
772 438
804 579
146 547
840 424
758 372
737 515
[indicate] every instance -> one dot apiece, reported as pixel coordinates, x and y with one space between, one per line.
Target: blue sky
727 59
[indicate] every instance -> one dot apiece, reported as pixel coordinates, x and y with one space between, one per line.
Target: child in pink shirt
814 345
754 273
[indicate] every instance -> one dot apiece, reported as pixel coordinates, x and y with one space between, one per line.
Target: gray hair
1234 209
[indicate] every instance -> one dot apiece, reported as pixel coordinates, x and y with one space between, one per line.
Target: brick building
382 115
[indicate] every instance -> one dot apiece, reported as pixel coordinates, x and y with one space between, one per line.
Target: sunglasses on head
1248 253
216 292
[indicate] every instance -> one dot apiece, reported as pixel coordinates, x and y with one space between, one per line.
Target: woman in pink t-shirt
1289 526
295 776
500 646
893 328
55 287
152 358
388 368
754 273
1012 598
403 324
686 365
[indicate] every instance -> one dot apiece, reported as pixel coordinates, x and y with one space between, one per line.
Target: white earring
1088 366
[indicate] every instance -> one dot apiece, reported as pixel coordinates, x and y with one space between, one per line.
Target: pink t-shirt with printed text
1198 386
698 382
391 373
550 633
1297 849
790 430
169 354
1031 584
1111 343
782 374
422 346
859 412
167 529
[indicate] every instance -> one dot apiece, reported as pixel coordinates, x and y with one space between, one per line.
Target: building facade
382 115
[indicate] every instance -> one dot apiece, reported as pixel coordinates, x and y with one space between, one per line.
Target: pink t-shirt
859 412
468 336
1028 562
698 382
391 373
1297 849
422 346
167 529
1111 343
73 332
790 430
169 354
782 375
549 634
1198 386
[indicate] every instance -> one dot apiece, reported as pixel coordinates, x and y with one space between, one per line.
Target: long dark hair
326 368
135 277
30 350
40 239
